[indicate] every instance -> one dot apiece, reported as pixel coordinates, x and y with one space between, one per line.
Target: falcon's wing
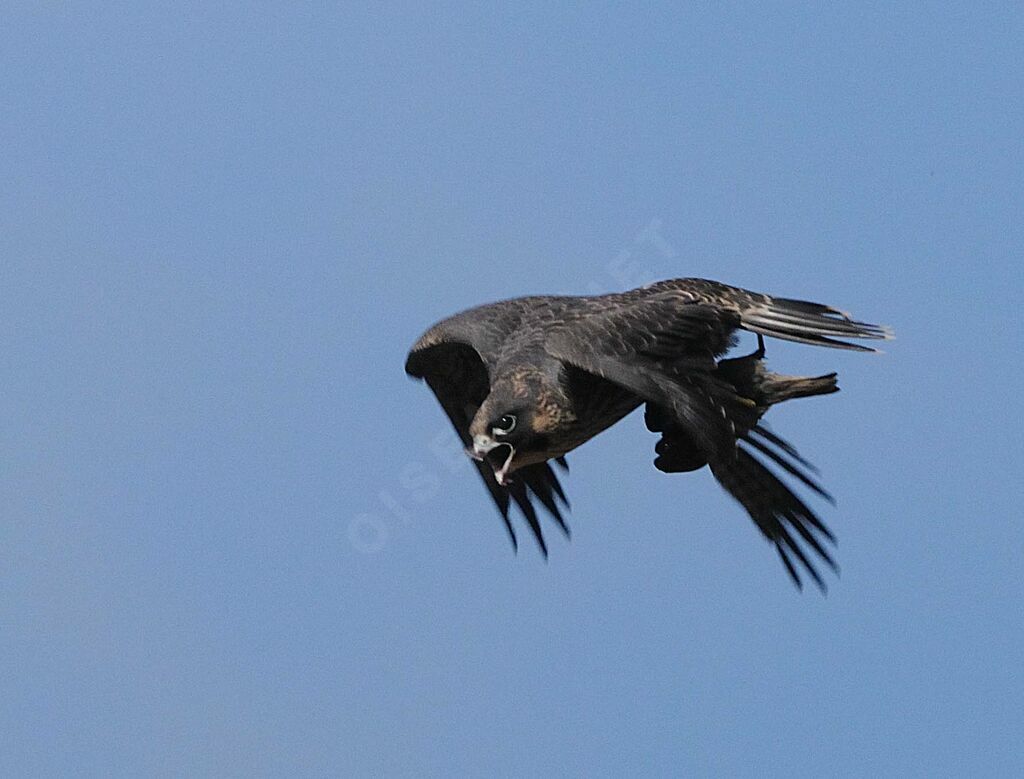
665 355
448 357
776 511
662 351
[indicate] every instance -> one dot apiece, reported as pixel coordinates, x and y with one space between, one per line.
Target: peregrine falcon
525 381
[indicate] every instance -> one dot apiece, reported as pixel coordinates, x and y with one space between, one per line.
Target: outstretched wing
450 358
777 511
663 351
779 514
792 320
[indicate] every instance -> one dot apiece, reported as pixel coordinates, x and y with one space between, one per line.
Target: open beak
481 450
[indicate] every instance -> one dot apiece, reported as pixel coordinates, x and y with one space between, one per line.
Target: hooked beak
484 445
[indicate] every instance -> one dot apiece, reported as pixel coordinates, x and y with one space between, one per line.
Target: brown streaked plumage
525 381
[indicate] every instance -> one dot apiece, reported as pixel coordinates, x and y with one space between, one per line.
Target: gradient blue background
234 539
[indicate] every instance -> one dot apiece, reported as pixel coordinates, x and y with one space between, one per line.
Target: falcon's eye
505 425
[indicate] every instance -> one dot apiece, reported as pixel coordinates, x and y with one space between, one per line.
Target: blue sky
234 539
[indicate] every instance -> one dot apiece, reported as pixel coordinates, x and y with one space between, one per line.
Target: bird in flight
525 381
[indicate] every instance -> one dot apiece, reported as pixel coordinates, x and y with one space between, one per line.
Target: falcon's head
518 425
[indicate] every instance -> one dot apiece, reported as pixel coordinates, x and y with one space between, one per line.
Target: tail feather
809 323
776 388
749 377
